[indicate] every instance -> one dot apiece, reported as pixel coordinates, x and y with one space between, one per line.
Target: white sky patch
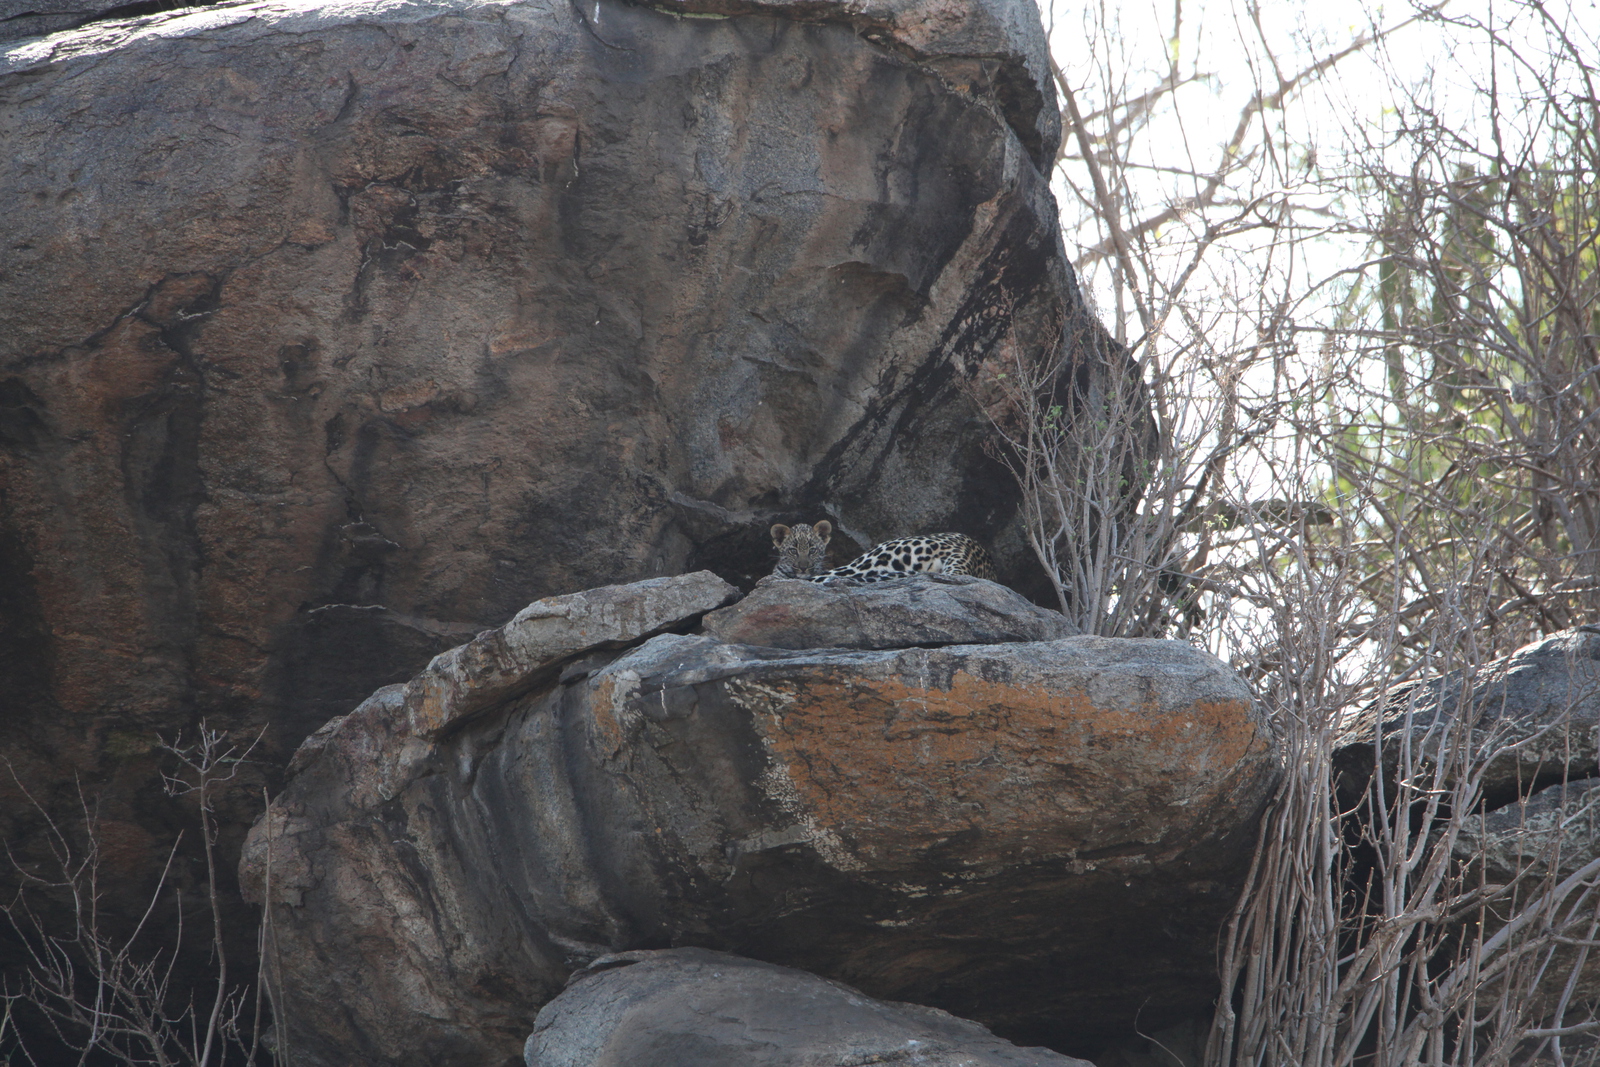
1222 51
1294 230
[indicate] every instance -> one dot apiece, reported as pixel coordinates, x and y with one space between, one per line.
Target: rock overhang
995 46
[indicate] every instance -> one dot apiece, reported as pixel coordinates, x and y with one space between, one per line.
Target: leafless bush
1414 493
1103 506
1480 302
1364 934
108 994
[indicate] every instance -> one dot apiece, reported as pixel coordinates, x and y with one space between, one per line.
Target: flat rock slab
881 759
501 664
928 824
926 610
504 663
694 1008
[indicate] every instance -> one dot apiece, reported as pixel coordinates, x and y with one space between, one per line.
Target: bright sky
1224 52
1105 47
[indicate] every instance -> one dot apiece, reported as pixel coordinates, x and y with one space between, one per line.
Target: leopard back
802 549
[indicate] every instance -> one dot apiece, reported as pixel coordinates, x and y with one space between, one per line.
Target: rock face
1541 705
1536 845
28 18
337 333
693 1008
500 665
1555 832
1538 711
926 824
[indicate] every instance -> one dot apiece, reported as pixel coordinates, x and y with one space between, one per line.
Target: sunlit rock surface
694 1008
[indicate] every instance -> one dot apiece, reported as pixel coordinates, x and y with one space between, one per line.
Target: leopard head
801 550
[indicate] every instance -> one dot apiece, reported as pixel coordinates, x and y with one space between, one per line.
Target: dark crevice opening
140 9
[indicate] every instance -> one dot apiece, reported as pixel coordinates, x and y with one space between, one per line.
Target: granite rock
1041 836
694 1008
338 332
931 609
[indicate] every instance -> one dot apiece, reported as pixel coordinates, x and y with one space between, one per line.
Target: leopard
801 551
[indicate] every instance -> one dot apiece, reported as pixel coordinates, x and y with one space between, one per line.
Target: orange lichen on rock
896 765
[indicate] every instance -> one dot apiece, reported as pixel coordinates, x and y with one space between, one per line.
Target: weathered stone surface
29 18
1536 845
992 44
694 1008
336 333
33 18
935 825
1537 710
1555 831
1541 705
930 610
400 722
499 665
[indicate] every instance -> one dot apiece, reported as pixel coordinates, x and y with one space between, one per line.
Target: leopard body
801 551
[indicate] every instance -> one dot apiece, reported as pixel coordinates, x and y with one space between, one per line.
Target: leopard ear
824 530
780 533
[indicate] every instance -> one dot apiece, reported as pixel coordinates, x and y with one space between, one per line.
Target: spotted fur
801 551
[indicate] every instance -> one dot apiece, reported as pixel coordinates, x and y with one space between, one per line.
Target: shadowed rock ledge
1533 717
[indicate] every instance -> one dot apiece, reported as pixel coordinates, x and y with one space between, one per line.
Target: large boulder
1537 710
1532 721
1042 836
337 332
689 1007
